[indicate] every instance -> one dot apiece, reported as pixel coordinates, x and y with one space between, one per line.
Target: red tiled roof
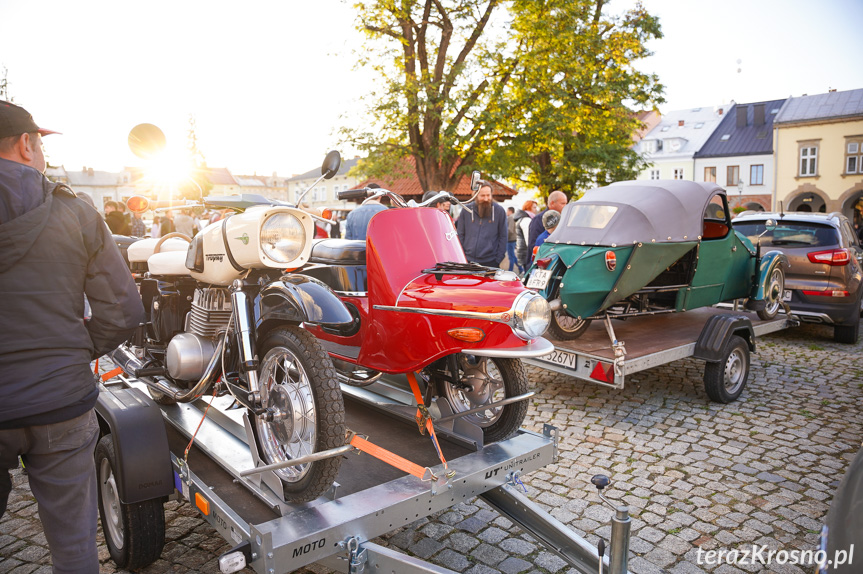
408 186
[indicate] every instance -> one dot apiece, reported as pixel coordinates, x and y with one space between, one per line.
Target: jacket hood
25 206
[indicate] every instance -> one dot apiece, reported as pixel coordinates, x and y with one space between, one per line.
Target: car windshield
790 233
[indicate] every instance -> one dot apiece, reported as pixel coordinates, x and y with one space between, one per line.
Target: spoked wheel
773 295
299 383
566 327
483 380
134 533
725 379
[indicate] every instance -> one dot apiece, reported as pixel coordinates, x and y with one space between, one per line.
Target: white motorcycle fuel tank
261 237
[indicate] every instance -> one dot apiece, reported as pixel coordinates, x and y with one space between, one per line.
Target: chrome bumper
537 348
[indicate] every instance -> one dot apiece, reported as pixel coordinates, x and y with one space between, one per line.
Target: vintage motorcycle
221 309
456 329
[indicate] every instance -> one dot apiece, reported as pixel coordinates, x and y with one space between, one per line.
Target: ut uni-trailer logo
244 238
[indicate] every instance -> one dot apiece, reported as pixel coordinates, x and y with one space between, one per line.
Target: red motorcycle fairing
400 244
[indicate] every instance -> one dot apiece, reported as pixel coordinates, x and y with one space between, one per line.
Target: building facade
671 145
323 194
738 155
818 143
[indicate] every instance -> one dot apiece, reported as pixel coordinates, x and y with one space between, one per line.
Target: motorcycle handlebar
353 194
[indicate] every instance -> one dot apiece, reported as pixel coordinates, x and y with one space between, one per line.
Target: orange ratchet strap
424 421
388 457
109 374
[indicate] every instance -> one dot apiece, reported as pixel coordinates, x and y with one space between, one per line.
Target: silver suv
824 283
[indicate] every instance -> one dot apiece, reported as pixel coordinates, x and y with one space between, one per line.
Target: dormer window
725 138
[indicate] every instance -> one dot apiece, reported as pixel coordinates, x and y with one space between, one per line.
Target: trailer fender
717 331
300 299
135 423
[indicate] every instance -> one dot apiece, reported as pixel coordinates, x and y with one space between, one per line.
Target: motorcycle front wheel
298 381
484 380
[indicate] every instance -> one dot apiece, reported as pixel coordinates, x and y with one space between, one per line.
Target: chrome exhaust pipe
124 358
555 305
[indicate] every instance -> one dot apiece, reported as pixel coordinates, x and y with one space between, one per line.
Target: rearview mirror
770 224
146 141
331 164
474 181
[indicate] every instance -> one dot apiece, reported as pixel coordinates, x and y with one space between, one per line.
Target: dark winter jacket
54 249
520 239
536 230
117 223
483 239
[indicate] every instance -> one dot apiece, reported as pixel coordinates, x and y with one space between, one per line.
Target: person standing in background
511 240
482 230
556 202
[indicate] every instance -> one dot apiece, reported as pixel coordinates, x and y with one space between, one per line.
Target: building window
654 174
808 160
678 173
732 175
710 174
854 156
756 175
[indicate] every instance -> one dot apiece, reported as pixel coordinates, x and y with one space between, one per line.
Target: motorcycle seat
338 252
141 250
168 263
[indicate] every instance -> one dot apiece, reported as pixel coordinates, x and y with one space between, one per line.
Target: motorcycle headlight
282 237
532 315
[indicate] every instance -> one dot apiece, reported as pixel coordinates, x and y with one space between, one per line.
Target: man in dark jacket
482 231
54 249
556 201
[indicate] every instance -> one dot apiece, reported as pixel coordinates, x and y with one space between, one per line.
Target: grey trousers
62 473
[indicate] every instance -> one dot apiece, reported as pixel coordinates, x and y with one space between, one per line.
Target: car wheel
847 334
566 327
724 380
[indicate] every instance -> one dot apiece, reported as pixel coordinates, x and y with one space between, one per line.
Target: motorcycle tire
509 379
297 376
134 533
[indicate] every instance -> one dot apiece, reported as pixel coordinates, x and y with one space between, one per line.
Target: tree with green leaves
520 89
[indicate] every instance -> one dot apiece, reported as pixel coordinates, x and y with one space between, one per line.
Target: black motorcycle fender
135 424
300 299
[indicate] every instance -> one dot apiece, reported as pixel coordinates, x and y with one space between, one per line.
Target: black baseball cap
15 120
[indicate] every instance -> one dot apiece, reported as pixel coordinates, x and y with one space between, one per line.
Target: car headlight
282 237
532 315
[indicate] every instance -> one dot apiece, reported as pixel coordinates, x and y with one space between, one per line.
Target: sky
269 82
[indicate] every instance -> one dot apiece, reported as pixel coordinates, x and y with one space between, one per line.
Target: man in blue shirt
357 222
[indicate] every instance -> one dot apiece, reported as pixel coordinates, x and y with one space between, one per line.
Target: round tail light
610 260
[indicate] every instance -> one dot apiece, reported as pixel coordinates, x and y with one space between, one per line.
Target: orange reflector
468 334
202 503
327 214
603 372
610 260
138 204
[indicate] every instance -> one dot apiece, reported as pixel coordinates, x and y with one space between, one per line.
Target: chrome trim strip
497 317
537 348
352 293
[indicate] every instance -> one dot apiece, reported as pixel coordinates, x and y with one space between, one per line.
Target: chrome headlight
282 237
532 315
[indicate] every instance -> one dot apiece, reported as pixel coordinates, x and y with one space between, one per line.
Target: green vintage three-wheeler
647 247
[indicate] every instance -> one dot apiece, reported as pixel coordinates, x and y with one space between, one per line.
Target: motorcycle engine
188 353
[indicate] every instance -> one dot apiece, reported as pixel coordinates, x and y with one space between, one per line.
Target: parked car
824 282
844 525
647 247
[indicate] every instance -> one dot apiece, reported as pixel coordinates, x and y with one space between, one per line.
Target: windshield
790 233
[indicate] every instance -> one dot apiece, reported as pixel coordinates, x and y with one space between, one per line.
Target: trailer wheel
724 380
134 533
773 295
299 381
483 380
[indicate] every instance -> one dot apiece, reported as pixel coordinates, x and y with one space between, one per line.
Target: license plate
563 358
538 279
786 296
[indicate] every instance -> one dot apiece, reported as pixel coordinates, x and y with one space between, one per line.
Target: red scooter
456 329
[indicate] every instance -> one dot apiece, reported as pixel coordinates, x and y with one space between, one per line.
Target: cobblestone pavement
695 474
